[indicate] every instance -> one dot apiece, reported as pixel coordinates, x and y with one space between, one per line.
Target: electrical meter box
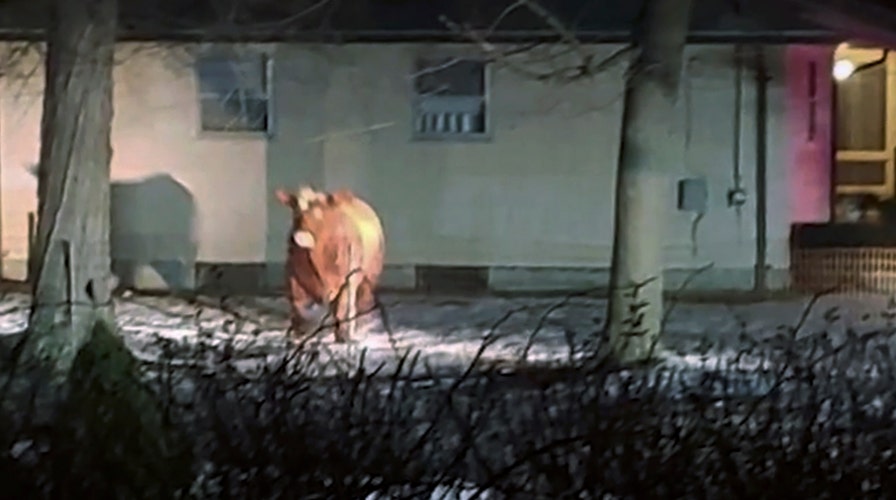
693 194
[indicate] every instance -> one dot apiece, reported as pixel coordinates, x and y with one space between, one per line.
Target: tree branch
586 65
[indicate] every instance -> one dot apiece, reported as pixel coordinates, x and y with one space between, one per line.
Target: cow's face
307 207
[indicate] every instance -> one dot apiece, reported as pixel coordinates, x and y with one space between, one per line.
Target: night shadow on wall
153 234
153 240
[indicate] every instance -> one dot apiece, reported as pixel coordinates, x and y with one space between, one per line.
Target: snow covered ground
448 331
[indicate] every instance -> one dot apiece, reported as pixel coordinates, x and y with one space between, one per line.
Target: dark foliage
812 417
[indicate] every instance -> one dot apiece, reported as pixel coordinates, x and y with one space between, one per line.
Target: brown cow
334 257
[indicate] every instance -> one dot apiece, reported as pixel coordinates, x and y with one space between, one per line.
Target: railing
846 258
844 270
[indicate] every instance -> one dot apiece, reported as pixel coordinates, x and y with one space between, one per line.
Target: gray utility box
693 194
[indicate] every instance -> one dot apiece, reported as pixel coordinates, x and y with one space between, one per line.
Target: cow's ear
287 199
303 239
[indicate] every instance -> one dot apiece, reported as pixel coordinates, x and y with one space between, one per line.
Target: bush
812 416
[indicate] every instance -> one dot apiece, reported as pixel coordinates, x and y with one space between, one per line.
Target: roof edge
425 36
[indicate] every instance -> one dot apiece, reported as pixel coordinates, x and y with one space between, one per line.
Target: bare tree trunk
72 277
643 182
72 336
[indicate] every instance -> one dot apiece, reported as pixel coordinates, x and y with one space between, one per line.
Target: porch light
843 69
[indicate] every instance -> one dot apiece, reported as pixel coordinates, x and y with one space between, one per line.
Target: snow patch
449 332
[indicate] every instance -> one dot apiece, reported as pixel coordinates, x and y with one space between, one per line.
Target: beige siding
538 193
155 137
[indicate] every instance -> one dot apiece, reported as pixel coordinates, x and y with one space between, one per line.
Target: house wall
533 204
809 127
179 196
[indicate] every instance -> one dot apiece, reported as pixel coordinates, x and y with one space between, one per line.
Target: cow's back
370 231
334 234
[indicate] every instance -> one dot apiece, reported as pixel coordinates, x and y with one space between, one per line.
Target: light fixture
843 69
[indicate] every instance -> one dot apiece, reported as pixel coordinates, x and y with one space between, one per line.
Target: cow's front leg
298 326
307 319
366 303
345 309
343 317
295 296
304 310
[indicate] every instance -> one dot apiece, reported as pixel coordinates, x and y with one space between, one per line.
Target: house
505 181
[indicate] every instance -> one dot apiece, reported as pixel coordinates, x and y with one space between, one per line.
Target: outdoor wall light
843 69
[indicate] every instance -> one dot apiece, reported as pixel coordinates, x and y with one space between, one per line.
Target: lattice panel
845 270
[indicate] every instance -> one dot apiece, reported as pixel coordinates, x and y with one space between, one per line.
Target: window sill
238 135
484 137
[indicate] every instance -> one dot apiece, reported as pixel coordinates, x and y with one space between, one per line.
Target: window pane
222 75
861 110
860 173
449 76
232 91
249 114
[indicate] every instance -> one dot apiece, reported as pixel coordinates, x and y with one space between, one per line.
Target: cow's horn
307 191
306 196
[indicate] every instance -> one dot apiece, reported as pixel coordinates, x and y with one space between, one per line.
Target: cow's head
307 206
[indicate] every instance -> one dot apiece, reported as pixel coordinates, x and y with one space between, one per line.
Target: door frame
888 154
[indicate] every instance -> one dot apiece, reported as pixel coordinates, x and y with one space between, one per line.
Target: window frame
418 100
238 55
